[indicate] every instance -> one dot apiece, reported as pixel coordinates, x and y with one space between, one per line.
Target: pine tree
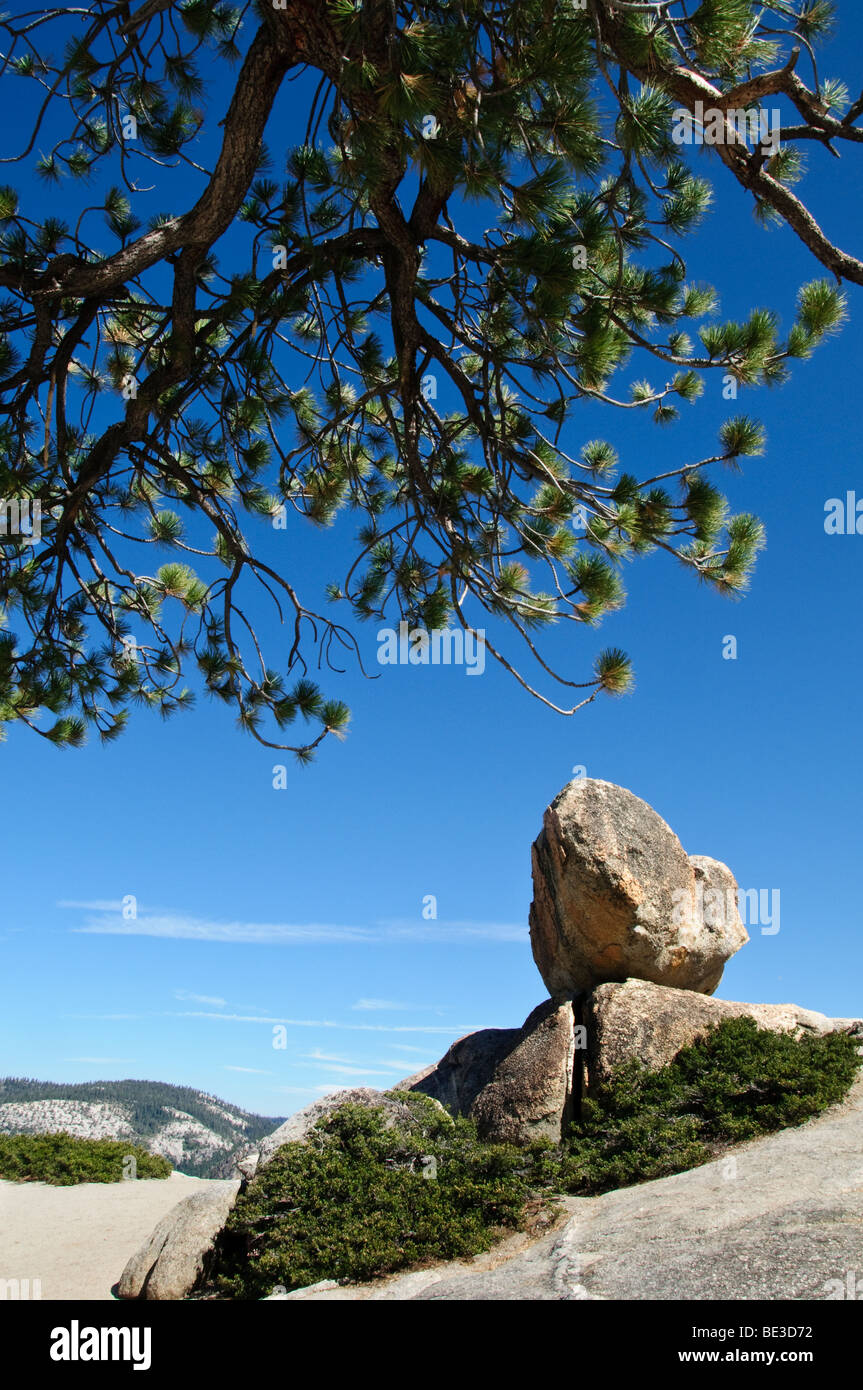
398 318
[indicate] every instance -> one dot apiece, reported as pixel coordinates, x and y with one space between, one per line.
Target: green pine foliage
63 1159
357 354
360 1200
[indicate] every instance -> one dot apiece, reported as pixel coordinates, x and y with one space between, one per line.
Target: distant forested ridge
199 1133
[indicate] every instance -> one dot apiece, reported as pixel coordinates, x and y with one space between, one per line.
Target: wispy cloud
105 918
111 1018
394 1064
352 1066
324 1088
94 904
371 1005
187 997
101 1061
251 1071
458 931
448 1031
180 928
388 1064
344 1070
295 1090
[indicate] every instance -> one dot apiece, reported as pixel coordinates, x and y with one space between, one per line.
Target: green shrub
62 1159
351 1203
739 1082
354 1203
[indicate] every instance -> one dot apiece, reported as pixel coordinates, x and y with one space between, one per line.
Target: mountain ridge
198 1132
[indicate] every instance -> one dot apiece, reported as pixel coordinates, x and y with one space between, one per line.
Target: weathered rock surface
529 1095
515 1082
297 1126
170 1264
465 1068
247 1165
653 1022
776 1218
616 896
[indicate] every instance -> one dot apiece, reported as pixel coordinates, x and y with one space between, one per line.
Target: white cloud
251 1071
351 1066
394 1064
186 996
94 904
325 1088
106 919
344 1070
100 1061
378 1004
458 931
455 1028
180 928
379 1066
109 1018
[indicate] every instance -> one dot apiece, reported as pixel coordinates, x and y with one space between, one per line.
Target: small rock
247 1165
171 1263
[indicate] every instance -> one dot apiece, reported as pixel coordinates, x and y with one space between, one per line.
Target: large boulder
653 1023
298 1126
617 896
172 1262
516 1083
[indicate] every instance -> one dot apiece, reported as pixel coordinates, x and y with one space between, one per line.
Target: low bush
62 1159
358 1199
739 1082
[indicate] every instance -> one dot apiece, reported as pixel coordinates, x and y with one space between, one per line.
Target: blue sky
305 906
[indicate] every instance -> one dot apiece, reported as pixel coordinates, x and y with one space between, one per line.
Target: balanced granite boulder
516 1083
652 1023
616 896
